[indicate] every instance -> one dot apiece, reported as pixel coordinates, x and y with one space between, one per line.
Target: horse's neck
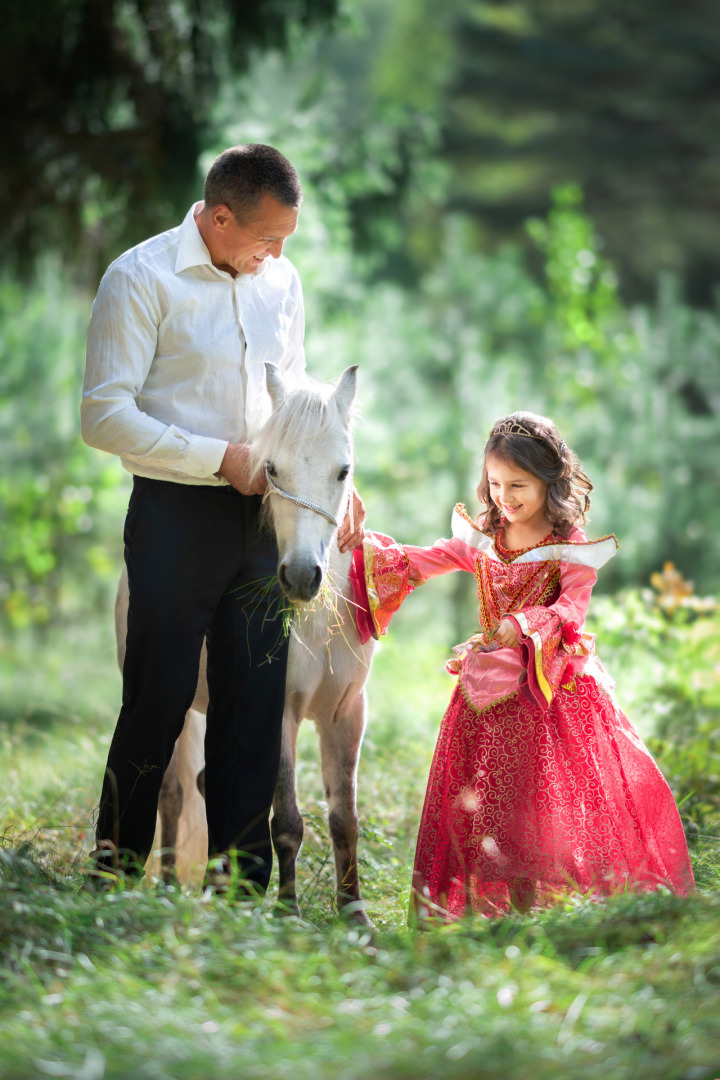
339 569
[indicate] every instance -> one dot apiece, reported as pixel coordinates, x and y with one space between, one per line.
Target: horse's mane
307 412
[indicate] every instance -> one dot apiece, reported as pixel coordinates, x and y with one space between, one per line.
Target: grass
159 983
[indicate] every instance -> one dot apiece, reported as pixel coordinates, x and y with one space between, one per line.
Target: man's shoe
224 878
108 873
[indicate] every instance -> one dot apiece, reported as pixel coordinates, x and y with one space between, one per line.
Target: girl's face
518 495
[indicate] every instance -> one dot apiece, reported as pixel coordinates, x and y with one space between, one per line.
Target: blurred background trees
508 205
108 105
622 98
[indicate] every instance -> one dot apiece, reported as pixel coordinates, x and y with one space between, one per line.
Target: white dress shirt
174 369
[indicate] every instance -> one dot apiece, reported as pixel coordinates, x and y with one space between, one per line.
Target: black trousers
199 567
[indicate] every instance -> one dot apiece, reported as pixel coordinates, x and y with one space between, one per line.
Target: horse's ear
344 392
275 384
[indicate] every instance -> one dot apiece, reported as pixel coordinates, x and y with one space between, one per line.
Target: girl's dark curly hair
543 452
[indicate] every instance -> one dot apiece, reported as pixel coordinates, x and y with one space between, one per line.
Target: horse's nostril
300 582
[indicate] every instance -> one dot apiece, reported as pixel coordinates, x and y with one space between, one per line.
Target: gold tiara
512 427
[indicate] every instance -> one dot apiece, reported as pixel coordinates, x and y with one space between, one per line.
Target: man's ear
220 216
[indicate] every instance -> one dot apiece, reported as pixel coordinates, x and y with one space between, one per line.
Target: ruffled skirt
523 806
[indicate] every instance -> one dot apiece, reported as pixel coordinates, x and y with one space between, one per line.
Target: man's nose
276 248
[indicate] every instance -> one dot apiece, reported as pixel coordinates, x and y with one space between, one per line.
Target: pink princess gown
539 784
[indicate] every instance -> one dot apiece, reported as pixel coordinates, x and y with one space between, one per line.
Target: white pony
306 449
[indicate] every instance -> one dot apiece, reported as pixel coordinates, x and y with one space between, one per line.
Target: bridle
273 489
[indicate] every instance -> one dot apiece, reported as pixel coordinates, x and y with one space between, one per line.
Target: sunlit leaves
55 493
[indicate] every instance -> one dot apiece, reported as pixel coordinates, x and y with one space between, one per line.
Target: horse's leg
192 840
340 740
286 824
169 808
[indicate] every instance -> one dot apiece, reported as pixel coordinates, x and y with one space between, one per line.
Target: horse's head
306 449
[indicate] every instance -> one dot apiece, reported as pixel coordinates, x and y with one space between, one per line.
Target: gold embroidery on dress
462 512
509 555
502 589
485 708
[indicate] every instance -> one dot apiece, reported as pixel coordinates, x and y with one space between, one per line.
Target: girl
539 783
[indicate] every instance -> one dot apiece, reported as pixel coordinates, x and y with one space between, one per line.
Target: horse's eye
270 469
343 474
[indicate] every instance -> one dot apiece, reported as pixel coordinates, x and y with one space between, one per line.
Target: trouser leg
247 661
183 548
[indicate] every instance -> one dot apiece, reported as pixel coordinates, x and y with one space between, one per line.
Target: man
180 330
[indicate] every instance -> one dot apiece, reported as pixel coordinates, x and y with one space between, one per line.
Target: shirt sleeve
294 359
122 340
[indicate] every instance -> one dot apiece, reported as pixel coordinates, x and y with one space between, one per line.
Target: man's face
243 248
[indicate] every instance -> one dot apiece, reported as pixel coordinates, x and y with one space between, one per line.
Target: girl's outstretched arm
384 573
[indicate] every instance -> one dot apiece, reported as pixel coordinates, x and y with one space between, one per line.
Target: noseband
273 489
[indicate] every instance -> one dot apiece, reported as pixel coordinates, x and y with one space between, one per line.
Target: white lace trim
594 553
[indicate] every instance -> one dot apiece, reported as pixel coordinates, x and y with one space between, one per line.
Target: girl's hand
352 531
507 634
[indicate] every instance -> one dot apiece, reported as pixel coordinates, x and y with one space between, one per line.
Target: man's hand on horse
235 468
352 530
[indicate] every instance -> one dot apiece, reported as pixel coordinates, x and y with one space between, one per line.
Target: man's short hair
242 175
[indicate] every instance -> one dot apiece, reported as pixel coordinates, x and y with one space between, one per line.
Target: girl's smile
518 494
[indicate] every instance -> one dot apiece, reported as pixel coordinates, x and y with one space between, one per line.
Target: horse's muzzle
300 582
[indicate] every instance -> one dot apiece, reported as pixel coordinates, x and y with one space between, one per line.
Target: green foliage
107 106
668 684
688 734
477 336
614 98
581 283
59 500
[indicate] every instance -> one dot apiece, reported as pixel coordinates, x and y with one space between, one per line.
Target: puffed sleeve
384 573
550 636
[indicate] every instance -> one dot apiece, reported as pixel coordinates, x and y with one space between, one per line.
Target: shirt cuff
204 456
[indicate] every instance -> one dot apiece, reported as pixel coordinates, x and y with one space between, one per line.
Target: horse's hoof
285 909
355 914
168 877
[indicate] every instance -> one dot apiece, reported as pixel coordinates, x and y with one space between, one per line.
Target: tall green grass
168 983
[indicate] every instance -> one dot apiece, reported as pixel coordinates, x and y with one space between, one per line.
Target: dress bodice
510 586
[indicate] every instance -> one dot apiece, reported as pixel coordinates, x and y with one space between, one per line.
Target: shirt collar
192 249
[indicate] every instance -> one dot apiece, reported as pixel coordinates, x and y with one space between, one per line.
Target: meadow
455 160
170 983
